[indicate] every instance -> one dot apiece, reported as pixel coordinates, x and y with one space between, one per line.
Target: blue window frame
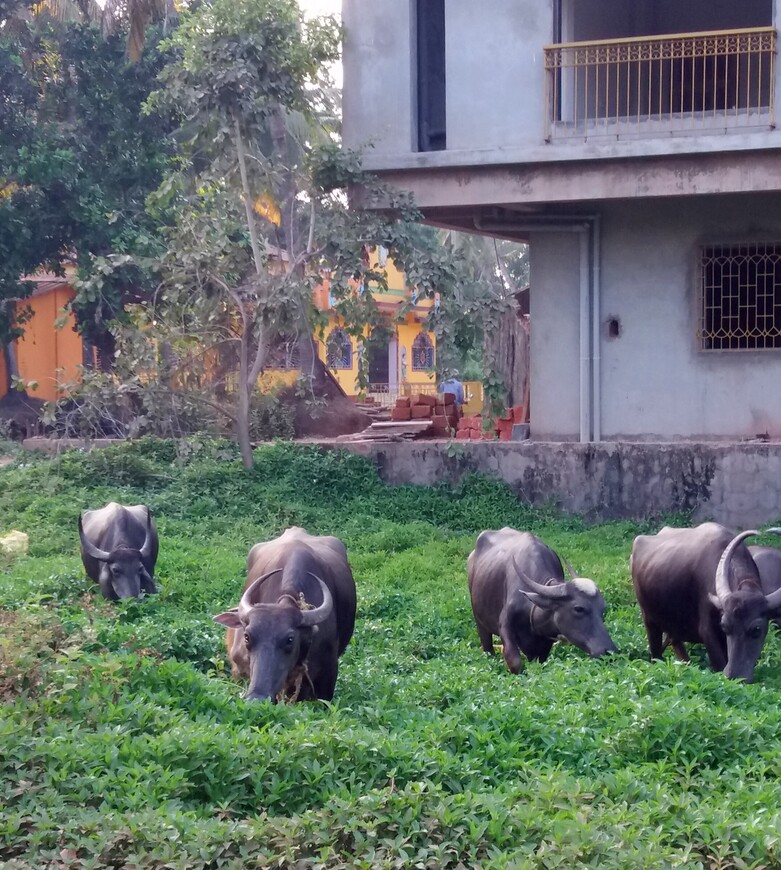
339 350
422 353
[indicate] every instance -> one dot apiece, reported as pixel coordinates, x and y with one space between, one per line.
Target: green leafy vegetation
125 743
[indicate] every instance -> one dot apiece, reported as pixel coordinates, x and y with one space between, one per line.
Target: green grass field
123 742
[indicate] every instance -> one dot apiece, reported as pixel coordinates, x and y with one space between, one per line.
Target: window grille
285 354
740 301
422 353
339 350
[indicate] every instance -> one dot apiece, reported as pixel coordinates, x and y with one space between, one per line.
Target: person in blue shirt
453 385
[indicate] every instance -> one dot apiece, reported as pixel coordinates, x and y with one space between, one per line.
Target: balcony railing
661 85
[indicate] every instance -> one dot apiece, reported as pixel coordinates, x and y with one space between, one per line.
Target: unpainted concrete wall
738 485
655 383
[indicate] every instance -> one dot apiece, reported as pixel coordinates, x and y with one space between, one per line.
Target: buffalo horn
245 604
89 548
558 591
571 570
321 613
724 570
146 549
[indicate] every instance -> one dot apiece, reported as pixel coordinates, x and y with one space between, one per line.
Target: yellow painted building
47 354
400 358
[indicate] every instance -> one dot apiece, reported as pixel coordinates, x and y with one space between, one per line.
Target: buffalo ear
540 600
715 601
230 618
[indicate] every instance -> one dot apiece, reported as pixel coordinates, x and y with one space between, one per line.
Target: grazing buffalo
119 549
519 593
295 618
701 585
768 562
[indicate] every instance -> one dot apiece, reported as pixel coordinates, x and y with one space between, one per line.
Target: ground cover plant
123 742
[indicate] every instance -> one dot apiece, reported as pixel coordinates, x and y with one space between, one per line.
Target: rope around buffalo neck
296 680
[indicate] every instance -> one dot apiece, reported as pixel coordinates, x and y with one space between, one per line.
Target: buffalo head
276 637
744 610
122 571
572 610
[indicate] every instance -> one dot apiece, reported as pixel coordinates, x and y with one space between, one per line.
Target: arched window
422 353
339 350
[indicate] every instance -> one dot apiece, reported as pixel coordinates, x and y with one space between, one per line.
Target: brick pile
441 410
479 428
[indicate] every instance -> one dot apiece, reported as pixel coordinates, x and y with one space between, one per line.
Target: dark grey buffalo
295 618
701 585
768 562
519 593
119 549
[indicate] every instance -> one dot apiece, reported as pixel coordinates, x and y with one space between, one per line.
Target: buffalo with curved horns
701 585
519 593
119 549
295 618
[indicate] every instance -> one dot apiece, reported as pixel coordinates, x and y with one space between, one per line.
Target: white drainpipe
588 228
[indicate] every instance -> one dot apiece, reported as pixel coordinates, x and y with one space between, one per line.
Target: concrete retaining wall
735 484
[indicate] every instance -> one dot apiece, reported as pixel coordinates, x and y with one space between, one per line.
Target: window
431 75
422 353
284 354
339 350
740 302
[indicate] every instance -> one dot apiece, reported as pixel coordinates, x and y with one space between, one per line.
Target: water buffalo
519 593
768 562
119 549
273 638
701 585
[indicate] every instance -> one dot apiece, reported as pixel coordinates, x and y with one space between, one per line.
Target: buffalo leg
717 651
679 648
537 649
325 682
510 651
655 640
486 638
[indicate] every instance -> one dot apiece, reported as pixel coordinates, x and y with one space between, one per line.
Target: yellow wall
406 333
43 349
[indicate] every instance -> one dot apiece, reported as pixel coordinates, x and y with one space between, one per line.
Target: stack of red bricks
479 428
441 410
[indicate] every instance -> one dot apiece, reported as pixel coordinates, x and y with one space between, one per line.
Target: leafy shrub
270 418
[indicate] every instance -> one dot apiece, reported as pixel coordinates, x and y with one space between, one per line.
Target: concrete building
634 146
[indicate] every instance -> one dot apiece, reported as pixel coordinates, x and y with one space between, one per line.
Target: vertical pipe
585 337
596 336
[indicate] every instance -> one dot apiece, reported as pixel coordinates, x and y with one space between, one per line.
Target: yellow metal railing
716 80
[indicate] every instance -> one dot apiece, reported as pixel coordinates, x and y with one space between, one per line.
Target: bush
270 418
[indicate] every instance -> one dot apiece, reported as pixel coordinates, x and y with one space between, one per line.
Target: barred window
422 353
740 297
284 354
339 350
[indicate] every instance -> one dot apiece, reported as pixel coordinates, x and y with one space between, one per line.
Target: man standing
453 385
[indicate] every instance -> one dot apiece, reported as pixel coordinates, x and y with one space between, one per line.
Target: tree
77 161
259 193
479 322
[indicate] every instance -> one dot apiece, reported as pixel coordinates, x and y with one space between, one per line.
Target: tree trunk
508 347
242 416
11 369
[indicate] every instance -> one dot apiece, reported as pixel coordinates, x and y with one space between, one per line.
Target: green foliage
270 418
78 161
125 743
